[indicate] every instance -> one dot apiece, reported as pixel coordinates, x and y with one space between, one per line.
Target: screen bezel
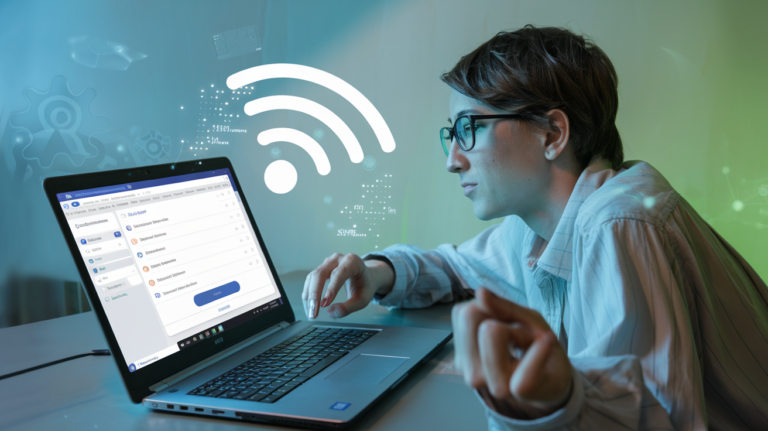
137 383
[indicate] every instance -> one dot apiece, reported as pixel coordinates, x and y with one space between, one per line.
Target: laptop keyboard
271 375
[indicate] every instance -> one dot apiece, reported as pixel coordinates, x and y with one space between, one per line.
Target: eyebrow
463 113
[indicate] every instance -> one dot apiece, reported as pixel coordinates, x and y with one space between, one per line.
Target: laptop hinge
181 375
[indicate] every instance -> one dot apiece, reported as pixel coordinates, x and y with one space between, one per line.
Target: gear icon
152 147
55 131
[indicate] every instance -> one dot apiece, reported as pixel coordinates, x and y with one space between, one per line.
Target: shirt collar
556 256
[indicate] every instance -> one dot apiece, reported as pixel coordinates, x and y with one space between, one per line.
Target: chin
483 213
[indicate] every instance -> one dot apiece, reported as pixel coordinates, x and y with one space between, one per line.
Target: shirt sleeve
629 337
450 273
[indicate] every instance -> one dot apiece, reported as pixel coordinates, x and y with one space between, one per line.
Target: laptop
193 310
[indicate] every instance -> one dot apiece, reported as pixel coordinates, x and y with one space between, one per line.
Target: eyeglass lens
463 129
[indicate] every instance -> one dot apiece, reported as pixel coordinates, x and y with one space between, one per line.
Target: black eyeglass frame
447 140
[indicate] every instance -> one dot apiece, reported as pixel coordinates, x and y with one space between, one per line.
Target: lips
468 188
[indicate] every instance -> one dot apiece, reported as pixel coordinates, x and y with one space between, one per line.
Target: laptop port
217 412
184 407
198 409
170 406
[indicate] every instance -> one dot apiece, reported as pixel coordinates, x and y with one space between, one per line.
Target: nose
456 162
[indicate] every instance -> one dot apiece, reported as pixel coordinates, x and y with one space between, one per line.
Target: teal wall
692 103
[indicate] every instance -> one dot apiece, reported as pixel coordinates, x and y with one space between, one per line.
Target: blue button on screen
216 293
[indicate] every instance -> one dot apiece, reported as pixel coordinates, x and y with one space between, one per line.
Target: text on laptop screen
175 261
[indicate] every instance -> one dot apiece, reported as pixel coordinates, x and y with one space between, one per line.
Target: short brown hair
533 70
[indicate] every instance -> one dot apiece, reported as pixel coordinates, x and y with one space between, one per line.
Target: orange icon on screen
134 241
146 269
151 282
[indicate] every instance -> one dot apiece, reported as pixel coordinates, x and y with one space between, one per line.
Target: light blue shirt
666 325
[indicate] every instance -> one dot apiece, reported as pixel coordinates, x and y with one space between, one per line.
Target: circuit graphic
103 54
55 133
368 214
216 110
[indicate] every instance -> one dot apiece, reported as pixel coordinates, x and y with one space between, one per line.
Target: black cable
82 355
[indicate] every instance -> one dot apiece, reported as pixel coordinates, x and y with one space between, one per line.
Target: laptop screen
175 261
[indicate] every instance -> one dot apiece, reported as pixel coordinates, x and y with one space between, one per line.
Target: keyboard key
245 394
320 366
229 394
284 366
270 398
256 397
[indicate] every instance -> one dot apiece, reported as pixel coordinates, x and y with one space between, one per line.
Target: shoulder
638 192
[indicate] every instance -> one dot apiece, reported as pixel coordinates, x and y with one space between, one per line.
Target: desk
87 393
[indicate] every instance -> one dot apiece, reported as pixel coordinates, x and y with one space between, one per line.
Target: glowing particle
648 202
182 107
726 170
737 205
763 191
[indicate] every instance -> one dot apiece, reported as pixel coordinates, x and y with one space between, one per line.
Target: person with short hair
603 300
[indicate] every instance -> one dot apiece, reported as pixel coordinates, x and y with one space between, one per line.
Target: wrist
382 273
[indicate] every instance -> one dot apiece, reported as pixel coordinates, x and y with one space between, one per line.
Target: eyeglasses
464 130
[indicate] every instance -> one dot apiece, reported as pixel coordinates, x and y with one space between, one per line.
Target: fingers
350 270
356 302
507 311
544 373
533 367
313 285
496 340
337 269
498 365
466 318
349 266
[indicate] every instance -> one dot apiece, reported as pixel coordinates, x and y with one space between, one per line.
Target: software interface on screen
175 261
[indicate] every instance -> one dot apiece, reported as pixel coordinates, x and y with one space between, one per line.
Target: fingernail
311 309
323 303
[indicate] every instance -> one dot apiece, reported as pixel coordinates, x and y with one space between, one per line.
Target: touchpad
367 369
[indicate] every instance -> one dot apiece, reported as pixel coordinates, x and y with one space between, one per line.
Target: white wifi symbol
281 176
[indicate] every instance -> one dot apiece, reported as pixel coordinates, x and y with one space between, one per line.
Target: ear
556 138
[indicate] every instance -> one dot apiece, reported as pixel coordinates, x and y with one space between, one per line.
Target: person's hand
362 279
511 356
